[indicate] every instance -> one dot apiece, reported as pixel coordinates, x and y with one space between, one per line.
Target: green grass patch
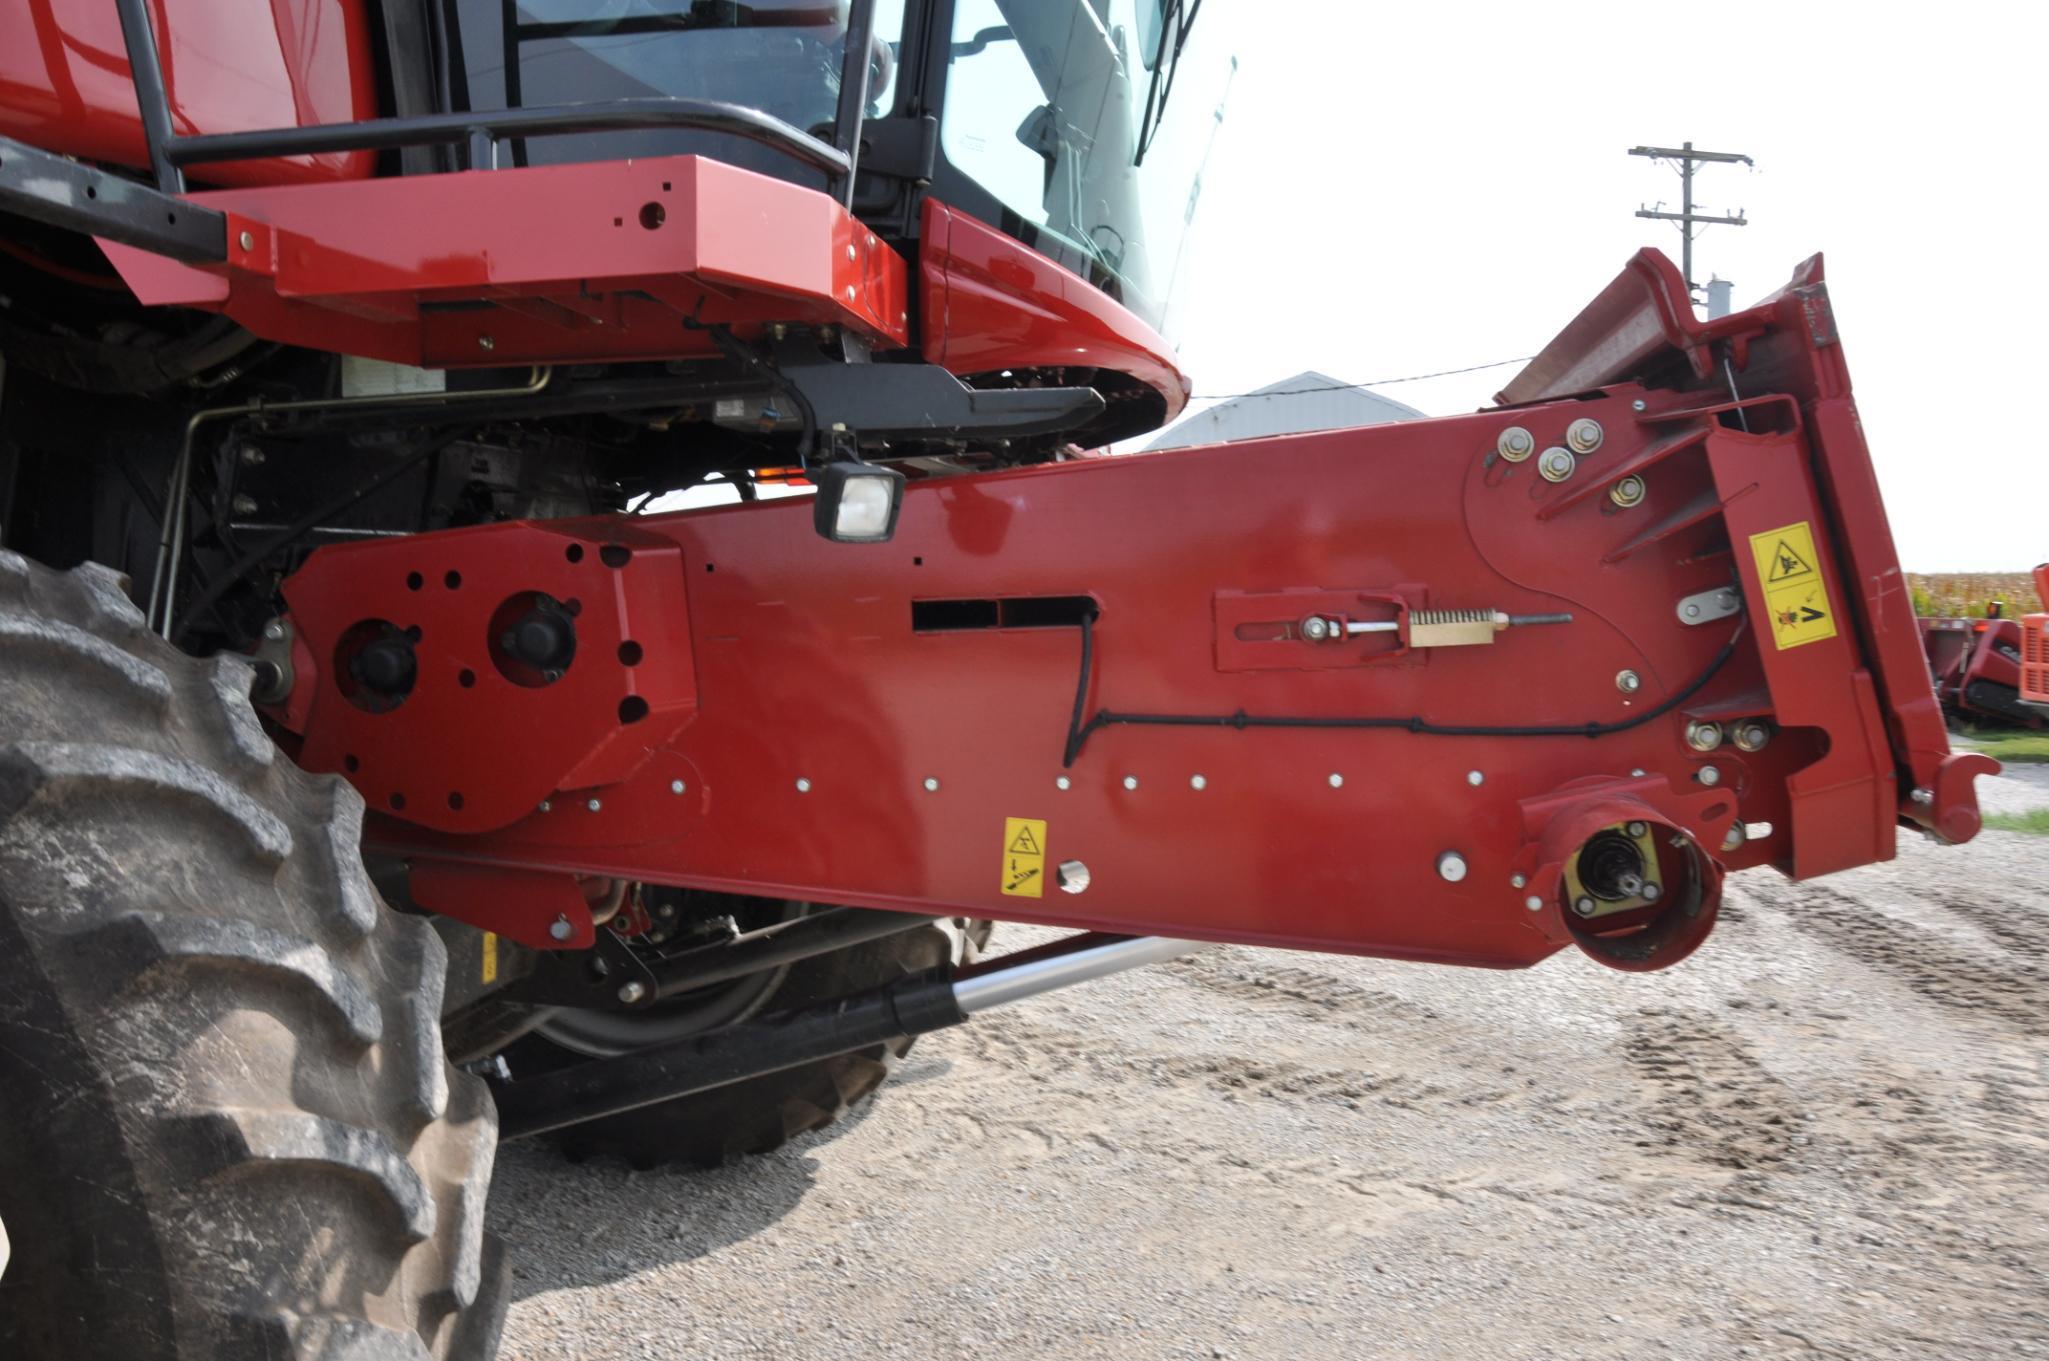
2035 822
2012 746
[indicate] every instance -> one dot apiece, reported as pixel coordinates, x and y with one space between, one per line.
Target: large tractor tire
763 1113
227 1128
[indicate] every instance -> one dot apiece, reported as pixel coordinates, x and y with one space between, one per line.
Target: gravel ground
1827 1134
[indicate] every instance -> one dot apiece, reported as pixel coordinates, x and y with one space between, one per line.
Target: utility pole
1686 217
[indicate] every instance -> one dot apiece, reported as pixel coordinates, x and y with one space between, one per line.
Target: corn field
1951 595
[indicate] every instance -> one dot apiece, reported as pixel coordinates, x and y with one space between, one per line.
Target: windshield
780 56
1092 121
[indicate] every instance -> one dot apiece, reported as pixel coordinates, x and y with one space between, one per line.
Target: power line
1347 387
1686 217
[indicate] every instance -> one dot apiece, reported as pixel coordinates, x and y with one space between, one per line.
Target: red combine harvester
354 336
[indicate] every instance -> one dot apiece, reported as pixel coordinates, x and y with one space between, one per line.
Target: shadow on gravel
597 1222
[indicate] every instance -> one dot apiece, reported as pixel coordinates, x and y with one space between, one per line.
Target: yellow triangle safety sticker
1795 590
1024 858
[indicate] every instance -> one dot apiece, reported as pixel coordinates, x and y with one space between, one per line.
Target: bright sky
1406 188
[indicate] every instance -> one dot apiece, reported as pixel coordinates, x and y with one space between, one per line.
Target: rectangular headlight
857 502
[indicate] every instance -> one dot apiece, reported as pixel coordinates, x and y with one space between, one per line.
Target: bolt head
1476 778
243 505
850 250
1703 736
1628 682
1639 405
632 991
1734 839
486 343
1627 492
1534 903
274 630
1583 906
560 929
1637 828
1556 464
594 805
931 785
1583 436
252 456
1337 781
803 785
1197 782
1061 782
1315 628
1923 798
1709 775
1515 444
1517 880
677 786
1451 867
1651 893
547 805
247 241
1131 781
1752 736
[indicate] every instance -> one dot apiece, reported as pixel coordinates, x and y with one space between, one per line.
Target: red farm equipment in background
1992 670
359 339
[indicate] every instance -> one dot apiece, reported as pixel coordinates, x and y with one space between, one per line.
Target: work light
857 502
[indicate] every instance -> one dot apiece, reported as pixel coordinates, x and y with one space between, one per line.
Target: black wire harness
1079 731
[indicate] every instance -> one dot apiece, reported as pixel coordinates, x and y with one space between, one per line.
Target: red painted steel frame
799 738
229 66
604 260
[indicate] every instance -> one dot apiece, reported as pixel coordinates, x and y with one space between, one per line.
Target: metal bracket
902 148
908 401
1704 607
65 193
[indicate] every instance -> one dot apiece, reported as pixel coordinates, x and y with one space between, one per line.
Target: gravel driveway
1825 1135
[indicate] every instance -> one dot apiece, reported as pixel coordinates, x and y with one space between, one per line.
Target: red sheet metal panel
605 260
229 65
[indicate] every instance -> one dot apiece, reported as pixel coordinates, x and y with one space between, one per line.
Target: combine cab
363 740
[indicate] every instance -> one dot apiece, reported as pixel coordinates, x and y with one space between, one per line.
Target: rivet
1534 903
1636 774
850 250
594 805
547 806
803 785
247 240
1637 828
677 786
1474 777
1517 880
850 292
486 343
1337 781
1451 867
560 929
1131 781
1061 782
931 785
1197 782
1583 906
1639 405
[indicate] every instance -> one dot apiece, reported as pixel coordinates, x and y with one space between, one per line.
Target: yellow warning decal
1024 858
490 957
1795 592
